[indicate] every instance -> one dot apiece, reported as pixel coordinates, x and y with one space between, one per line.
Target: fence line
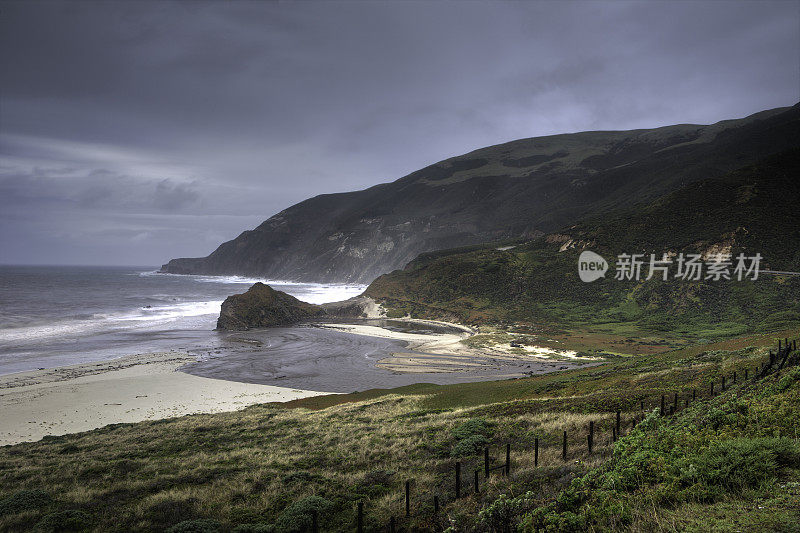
779 359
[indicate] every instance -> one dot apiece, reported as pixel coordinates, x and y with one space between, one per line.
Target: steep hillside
517 189
751 210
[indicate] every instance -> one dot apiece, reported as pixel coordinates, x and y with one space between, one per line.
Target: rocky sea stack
262 306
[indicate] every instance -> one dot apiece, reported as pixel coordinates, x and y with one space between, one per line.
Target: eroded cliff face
520 189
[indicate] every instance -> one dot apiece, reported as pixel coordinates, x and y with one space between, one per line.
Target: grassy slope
252 467
751 210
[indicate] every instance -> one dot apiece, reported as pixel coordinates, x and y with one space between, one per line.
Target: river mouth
322 357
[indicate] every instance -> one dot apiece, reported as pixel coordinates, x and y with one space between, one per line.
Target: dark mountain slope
751 210
517 189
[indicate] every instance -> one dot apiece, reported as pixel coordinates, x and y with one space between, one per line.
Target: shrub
172 511
734 465
471 436
297 517
503 512
24 500
789 379
254 528
69 520
472 427
202 525
471 445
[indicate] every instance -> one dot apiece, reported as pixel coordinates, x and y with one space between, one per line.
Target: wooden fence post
486 461
723 382
436 505
662 405
508 458
614 434
675 402
391 525
408 498
712 388
458 480
619 423
590 437
314 521
536 451
734 376
745 374
694 394
360 519
564 447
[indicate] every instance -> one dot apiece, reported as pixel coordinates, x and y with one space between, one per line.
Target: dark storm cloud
139 131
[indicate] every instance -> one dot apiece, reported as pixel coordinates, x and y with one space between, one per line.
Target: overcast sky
134 132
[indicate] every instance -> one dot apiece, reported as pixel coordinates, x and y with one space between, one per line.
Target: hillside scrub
264 468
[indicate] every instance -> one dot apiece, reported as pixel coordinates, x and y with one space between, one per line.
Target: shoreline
446 353
352 355
158 385
133 388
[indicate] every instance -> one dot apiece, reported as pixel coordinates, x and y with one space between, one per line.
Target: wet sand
354 356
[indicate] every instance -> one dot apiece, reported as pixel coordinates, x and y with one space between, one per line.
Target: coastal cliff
520 189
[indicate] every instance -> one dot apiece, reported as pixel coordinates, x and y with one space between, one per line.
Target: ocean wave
316 293
142 317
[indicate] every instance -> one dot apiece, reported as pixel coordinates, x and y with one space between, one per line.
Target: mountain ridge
518 189
751 210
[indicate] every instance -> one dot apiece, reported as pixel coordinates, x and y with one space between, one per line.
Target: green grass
264 468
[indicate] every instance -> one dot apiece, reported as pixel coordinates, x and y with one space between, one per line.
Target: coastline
132 388
358 355
167 384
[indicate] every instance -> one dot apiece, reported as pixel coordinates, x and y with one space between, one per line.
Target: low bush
202 525
297 517
63 521
24 500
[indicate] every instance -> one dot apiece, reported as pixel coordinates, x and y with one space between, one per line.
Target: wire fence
669 405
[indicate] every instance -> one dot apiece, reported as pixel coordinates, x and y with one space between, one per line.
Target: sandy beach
258 366
129 389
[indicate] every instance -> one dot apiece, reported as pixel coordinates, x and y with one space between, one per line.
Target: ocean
54 316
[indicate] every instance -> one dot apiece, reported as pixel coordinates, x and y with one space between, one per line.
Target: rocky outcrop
519 189
262 306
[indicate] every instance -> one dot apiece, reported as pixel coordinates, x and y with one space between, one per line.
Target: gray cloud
129 117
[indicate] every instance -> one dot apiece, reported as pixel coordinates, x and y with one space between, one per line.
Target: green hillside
751 210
